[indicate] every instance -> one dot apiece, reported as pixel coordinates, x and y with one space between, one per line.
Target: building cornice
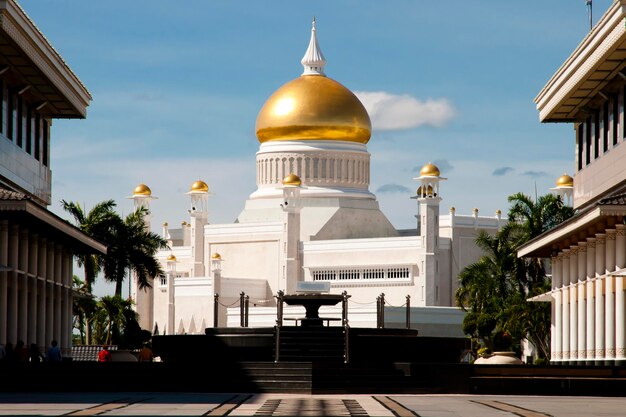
593 63
38 213
20 29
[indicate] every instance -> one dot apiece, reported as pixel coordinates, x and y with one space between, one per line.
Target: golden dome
565 181
199 187
293 180
429 191
430 170
171 258
216 256
142 189
313 107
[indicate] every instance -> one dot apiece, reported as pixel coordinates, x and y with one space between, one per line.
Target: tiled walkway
203 404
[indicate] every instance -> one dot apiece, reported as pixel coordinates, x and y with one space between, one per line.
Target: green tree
132 248
496 288
486 286
83 308
527 220
109 317
97 223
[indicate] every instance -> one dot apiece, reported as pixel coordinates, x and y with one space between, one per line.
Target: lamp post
216 272
171 307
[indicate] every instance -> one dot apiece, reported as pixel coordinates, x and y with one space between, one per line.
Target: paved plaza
224 404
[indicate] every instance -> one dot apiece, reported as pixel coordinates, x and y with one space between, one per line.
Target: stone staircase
303 344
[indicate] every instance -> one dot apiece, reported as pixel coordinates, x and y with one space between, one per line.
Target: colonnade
35 288
588 307
315 169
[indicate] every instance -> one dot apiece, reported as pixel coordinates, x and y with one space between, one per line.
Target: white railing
362 273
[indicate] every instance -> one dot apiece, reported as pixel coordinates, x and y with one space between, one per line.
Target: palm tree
133 248
486 285
83 308
109 317
495 288
97 223
531 218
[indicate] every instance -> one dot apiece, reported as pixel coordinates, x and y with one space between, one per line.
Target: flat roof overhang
51 226
588 71
575 229
36 66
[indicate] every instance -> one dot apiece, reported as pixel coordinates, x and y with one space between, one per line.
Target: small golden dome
452 209
199 187
142 189
292 179
171 258
216 256
565 181
313 107
165 224
429 191
430 170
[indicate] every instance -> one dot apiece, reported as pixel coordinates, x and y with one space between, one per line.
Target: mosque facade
588 251
311 219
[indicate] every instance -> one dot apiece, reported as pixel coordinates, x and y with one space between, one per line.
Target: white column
557 271
609 296
620 336
620 246
12 315
4 294
582 307
565 304
590 300
50 292
22 286
573 305
620 322
609 324
58 267
566 324
610 250
41 292
32 284
599 294
557 353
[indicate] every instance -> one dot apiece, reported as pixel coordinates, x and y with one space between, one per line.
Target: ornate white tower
428 200
291 265
142 196
565 189
199 193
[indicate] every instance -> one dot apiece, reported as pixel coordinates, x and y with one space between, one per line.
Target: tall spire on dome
313 60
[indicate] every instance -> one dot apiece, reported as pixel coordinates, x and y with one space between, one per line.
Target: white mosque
312 218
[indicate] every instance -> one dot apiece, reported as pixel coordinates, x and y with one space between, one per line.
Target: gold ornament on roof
292 180
199 187
142 189
565 181
216 256
430 170
171 258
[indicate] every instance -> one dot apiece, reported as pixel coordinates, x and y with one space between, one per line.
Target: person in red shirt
104 355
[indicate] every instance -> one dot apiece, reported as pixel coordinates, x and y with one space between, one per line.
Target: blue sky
177 87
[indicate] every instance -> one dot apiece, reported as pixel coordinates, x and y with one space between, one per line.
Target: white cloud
393 112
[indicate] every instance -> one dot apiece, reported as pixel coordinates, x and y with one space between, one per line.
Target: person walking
146 354
54 352
104 355
35 355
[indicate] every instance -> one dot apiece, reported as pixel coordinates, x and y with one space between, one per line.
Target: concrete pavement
222 404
